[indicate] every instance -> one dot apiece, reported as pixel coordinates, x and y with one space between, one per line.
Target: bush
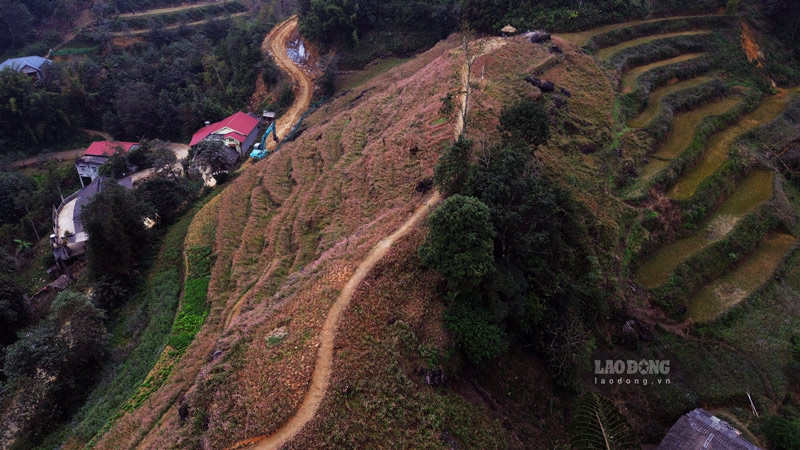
525 121
481 340
782 432
459 242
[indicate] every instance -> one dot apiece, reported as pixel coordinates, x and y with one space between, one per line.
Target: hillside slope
292 230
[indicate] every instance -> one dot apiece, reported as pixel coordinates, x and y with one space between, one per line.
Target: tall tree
459 242
114 221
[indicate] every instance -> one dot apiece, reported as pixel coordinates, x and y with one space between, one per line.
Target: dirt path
322 369
177 25
324 363
62 155
275 44
153 12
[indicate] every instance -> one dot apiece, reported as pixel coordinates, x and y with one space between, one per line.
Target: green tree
13 312
452 169
12 185
598 425
459 242
526 121
783 431
66 349
116 167
479 338
164 197
113 220
213 156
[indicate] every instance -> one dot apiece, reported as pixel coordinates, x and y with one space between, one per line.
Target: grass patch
158 300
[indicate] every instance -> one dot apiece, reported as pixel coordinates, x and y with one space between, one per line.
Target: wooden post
751 403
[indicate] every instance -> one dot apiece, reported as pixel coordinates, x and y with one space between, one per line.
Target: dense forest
165 87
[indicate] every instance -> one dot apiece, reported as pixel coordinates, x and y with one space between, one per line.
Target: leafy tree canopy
459 243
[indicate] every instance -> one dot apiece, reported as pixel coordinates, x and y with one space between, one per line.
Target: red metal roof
240 122
107 148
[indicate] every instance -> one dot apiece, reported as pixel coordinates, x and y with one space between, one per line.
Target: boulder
543 85
424 185
538 36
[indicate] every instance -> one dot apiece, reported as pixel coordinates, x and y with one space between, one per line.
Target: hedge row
667 177
614 37
659 50
685 100
635 101
769 137
710 263
146 21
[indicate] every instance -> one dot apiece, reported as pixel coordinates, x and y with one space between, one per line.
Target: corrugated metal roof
240 122
699 430
18 63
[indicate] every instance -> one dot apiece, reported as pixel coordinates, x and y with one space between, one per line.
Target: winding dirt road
62 155
275 43
323 367
324 363
157 11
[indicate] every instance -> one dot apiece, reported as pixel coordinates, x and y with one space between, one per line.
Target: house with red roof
239 132
96 155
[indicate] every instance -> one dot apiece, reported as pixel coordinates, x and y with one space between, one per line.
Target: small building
32 66
699 430
239 132
508 30
96 155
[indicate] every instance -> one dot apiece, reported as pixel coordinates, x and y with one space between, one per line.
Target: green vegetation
597 424
64 347
492 15
157 300
459 245
783 431
194 307
508 240
149 21
114 220
617 36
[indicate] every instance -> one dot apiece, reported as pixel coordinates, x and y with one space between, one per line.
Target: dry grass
291 229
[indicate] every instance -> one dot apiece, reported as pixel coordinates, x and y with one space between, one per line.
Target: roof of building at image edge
108 148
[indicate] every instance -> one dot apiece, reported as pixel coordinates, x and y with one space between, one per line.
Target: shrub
459 242
526 121
782 432
481 340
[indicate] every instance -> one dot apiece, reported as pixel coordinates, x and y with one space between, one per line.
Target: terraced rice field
608 52
754 190
630 77
582 37
727 291
654 102
720 143
682 133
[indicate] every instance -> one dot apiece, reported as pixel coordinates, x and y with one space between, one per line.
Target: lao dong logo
641 372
